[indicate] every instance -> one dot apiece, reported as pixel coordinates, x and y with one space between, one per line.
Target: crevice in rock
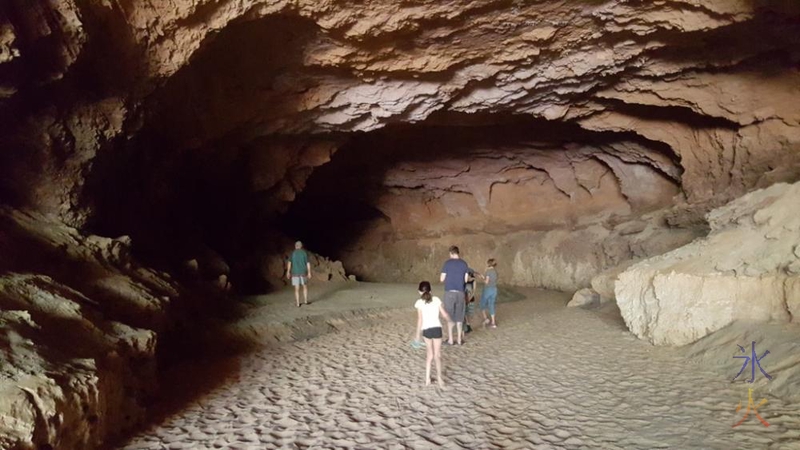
670 113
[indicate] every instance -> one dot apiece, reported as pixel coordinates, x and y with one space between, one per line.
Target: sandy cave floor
547 377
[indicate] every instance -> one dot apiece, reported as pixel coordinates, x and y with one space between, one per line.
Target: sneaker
494 325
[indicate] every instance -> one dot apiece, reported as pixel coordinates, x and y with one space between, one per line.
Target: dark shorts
454 304
432 333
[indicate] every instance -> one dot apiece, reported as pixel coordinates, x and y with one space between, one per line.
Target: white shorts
299 280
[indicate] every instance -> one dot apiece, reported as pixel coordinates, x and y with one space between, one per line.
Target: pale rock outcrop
746 270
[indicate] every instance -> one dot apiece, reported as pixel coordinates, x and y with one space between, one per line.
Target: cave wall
554 212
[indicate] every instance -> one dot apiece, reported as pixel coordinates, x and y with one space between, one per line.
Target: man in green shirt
298 270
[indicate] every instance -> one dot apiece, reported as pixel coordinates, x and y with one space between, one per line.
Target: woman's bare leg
430 350
437 357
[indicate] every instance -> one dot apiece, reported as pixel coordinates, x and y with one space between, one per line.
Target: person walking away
429 308
489 294
454 276
298 269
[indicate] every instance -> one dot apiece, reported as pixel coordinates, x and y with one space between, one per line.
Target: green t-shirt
299 261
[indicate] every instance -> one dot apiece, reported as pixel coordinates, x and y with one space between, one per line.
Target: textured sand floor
548 377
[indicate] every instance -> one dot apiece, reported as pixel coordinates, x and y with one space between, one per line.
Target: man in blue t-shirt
298 269
455 273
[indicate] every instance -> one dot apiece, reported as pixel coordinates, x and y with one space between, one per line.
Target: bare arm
444 313
442 277
308 268
289 269
466 277
419 324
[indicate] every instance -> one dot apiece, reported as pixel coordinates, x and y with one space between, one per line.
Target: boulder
741 271
584 297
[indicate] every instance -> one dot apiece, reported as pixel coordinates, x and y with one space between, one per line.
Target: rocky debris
79 319
210 267
743 270
584 297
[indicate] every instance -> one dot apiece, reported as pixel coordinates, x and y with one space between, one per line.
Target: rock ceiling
112 107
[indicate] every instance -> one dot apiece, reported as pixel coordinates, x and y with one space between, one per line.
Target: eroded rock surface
193 123
746 269
79 319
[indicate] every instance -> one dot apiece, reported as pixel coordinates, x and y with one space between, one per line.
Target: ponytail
427 296
425 291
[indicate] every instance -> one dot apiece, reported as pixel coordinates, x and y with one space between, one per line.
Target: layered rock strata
710 83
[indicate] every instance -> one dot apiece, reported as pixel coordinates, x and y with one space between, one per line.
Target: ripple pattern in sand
547 378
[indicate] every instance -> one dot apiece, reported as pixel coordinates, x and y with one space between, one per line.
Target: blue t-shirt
454 270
